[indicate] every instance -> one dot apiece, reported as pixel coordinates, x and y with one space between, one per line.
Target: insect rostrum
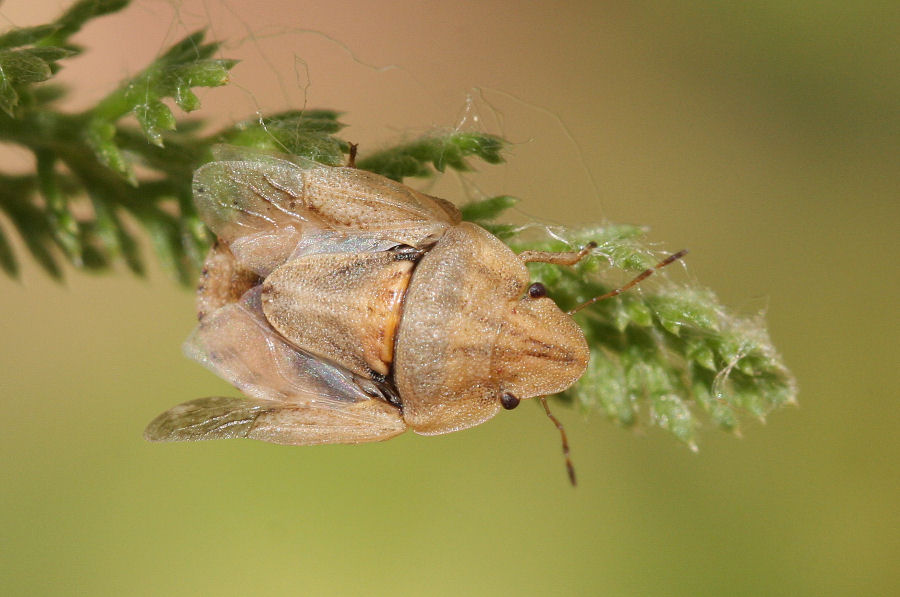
348 307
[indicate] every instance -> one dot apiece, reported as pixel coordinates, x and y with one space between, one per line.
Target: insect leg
557 258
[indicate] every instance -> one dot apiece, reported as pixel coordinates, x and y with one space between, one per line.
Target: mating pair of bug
348 308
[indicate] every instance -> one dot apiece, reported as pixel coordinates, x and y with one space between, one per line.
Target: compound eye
509 401
537 290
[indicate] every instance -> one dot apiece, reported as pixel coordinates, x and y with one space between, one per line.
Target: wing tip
207 418
155 431
166 428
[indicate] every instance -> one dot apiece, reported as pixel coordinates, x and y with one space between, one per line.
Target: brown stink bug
348 308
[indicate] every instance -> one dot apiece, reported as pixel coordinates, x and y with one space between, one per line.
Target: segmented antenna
565 442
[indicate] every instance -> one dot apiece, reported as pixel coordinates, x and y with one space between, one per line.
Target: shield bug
349 308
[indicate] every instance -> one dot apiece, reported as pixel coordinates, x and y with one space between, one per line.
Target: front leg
557 258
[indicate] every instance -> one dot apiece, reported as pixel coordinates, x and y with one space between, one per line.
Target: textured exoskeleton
348 307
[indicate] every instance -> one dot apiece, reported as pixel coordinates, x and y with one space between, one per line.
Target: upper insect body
349 307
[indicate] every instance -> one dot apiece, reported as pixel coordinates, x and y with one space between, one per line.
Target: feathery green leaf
304 133
438 151
487 210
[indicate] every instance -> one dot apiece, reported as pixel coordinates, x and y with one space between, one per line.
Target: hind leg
557 258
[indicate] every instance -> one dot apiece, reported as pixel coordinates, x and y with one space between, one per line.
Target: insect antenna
570 468
639 278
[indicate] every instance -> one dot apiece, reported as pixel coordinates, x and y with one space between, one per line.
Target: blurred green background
762 135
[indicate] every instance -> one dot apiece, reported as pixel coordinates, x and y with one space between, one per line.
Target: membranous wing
294 398
268 209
